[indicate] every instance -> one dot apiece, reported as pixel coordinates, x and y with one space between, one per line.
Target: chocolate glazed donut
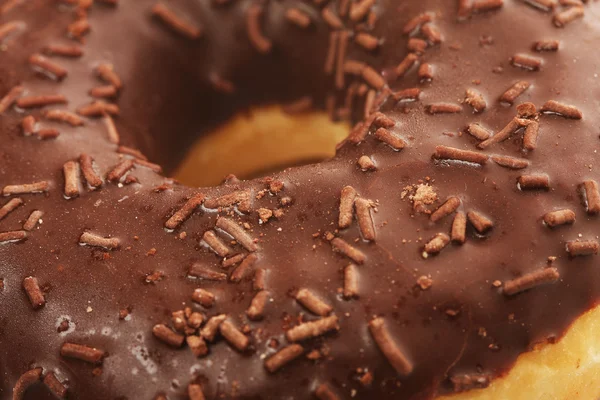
455 229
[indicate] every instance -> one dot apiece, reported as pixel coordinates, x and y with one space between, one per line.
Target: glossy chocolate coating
167 101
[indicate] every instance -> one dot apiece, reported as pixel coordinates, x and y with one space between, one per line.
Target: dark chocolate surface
462 324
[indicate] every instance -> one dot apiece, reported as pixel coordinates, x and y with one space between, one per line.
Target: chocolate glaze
167 101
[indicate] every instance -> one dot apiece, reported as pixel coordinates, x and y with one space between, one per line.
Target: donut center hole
260 142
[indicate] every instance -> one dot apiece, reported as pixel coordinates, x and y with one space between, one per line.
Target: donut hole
259 142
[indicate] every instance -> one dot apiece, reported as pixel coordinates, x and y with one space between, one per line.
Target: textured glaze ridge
421 260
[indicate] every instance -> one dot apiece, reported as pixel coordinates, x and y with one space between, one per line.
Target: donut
448 250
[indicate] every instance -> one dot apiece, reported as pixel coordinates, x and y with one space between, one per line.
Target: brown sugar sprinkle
526 61
416 22
211 328
10 98
478 131
313 303
331 19
451 153
325 392
33 220
461 383
243 199
297 17
197 345
12 236
544 5
526 110
465 9
120 170
195 392
221 84
411 94
366 41
9 207
242 270
389 347
146 164
72 178
534 181
567 16
436 244
567 111
176 23
406 64
259 279
443 108
47 133
36 297
98 109
234 336
254 31
514 91
347 199
416 45
582 248
41 101
63 116
502 135
480 222
9 28
185 211
283 357
591 196
131 152
559 217
203 297
389 138
546 45
28 188
531 135
459 228
216 244
431 33
366 163
79 28
103 92
228 262
341 65
330 59
167 335
365 221
49 67
341 246
237 233
87 167
510 162
445 209
425 72
82 352
55 386
94 240
312 329
475 100
373 78
28 125
26 380
360 9
106 72
351 281
530 280
487 5
257 306
201 271
72 51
